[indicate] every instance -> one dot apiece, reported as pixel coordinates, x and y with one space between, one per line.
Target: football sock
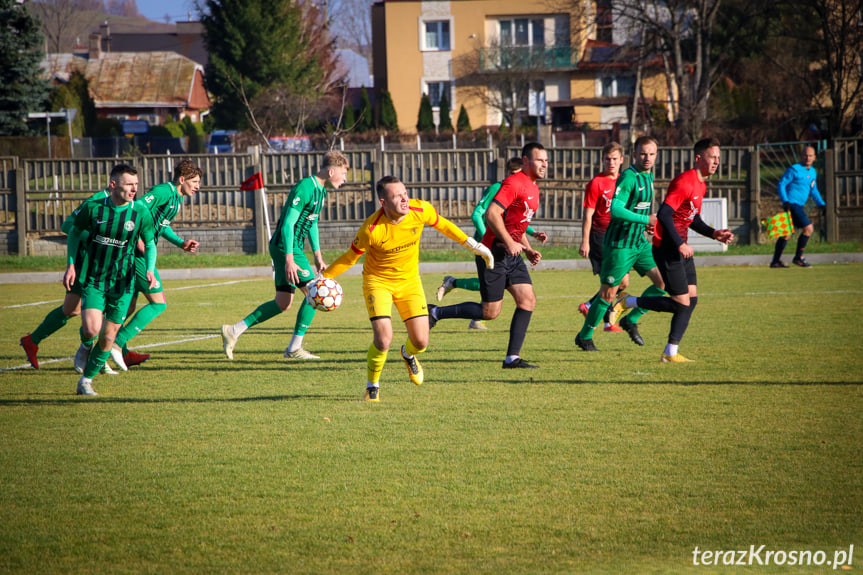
671 349
471 284
636 313
801 245
465 310
679 323
518 330
594 317
138 322
777 251
411 349
261 314
376 360
88 342
98 357
52 322
305 315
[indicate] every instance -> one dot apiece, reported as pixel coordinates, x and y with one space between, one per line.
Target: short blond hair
335 159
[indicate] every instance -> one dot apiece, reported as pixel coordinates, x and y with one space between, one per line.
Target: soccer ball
325 294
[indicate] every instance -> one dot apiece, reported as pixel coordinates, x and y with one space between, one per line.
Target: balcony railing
504 58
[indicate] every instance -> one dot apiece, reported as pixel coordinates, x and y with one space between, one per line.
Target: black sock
801 245
658 303
464 310
679 323
777 252
518 330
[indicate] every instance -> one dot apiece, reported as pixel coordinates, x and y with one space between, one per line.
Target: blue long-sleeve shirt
797 184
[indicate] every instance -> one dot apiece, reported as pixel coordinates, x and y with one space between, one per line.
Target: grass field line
148 346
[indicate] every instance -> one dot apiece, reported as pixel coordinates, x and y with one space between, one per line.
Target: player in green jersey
163 201
298 221
114 226
450 283
625 246
71 307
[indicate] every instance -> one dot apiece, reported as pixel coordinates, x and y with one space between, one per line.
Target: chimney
105 31
95 46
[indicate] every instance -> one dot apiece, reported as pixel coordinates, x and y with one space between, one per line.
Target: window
613 86
436 36
522 32
437 89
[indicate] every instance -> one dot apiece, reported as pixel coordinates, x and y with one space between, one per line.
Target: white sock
370 384
238 328
631 301
296 343
671 349
510 358
586 304
405 353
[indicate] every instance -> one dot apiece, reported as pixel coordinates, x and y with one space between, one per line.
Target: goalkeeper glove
480 250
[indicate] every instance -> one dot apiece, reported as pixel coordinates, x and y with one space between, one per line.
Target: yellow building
505 61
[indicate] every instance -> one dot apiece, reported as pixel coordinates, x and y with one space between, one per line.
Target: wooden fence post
21 214
754 198
831 195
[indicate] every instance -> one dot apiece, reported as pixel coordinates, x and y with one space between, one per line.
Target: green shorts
616 263
141 283
114 306
305 271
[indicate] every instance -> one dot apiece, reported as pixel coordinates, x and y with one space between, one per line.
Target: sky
176 9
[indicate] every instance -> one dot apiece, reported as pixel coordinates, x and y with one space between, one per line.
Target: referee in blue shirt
796 185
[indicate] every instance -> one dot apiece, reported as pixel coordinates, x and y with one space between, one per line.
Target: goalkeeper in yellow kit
390 240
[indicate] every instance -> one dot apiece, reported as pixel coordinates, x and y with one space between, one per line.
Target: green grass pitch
608 462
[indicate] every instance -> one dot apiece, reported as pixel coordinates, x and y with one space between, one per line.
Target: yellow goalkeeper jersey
392 249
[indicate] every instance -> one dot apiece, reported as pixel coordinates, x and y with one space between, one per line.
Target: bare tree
829 33
350 24
502 77
125 8
60 22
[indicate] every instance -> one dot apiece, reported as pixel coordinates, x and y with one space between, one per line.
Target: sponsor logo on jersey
642 206
110 241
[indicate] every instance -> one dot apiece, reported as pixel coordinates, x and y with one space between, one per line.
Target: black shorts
799 216
508 271
595 254
677 272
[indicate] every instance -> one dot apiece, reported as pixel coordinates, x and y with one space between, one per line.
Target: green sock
263 312
471 284
594 317
138 322
52 322
87 342
98 357
305 315
636 313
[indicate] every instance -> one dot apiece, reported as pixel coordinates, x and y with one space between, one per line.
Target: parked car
220 142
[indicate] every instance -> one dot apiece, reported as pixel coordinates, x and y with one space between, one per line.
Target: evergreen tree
425 121
87 109
254 45
445 122
349 117
389 120
22 90
463 122
365 121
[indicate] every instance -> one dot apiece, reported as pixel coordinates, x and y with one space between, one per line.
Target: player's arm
344 262
314 240
533 256
186 245
148 237
453 232
665 216
619 210
699 225
816 195
287 232
782 187
478 214
80 223
494 220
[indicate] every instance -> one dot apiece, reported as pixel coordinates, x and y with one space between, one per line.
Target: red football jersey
519 196
598 196
685 194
